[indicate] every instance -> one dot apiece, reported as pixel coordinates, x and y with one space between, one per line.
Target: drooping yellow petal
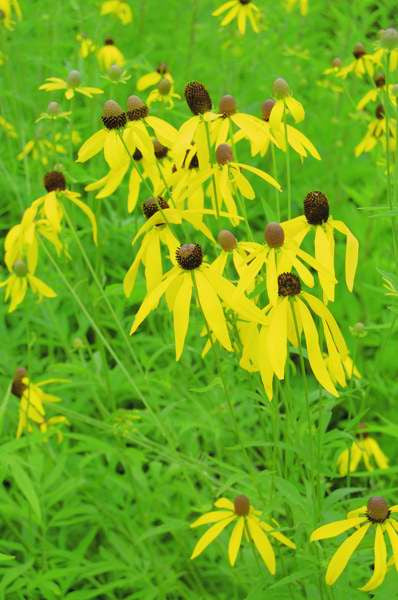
223 8
262 544
224 503
393 536
374 449
277 338
181 307
343 554
210 536
380 562
351 253
324 254
212 309
88 212
92 146
295 108
271 277
148 80
336 528
235 540
278 535
212 517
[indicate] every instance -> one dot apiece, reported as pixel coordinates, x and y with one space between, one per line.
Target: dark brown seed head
73 78
288 284
164 86
54 180
378 510
359 50
316 208
197 97
336 62
109 42
20 268
136 108
227 240
379 112
244 1
380 80
227 106
224 154
18 387
266 108
159 150
242 506
137 154
151 206
189 256
162 68
112 115
280 88
274 235
53 108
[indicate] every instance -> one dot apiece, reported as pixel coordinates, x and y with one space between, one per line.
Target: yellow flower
195 129
53 113
116 75
9 9
191 273
376 133
376 516
164 92
8 128
118 8
247 524
316 217
231 248
228 177
110 55
42 149
363 64
302 4
154 77
285 103
32 404
249 127
377 92
288 318
363 448
278 254
16 285
241 10
70 85
87 45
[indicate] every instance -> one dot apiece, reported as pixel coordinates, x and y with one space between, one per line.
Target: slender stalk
390 190
288 174
212 165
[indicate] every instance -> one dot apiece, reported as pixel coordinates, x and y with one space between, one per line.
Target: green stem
288 174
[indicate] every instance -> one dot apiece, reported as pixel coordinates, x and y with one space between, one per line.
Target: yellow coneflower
363 448
116 75
9 9
230 248
194 130
21 277
119 8
228 117
8 128
288 318
376 133
296 140
187 186
53 113
242 11
248 525
302 5
42 149
376 516
278 254
374 94
51 205
109 54
32 404
154 77
191 273
285 103
71 86
317 218
363 64
164 93
87 46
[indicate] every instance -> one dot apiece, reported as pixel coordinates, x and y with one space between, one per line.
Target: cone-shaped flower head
151 206
112 116
227 240
224 154
197 98
189 256
136 108
74 78
316 208
274 235
54 181
227 106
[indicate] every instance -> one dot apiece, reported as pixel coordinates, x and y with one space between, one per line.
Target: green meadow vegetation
267 269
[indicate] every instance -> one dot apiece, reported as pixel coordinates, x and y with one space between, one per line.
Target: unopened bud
20 268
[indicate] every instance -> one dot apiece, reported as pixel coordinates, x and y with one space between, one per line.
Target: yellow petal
296 109
351 253
343 554
278 535
392 534
336 528
148 80
224 503
212 309
92 146
380 562
211 517
152 299
181 307
262 544
235 540
210 536
277 338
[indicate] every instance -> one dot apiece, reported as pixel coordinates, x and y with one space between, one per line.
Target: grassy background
105 514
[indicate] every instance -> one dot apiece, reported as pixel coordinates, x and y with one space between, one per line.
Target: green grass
105 514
